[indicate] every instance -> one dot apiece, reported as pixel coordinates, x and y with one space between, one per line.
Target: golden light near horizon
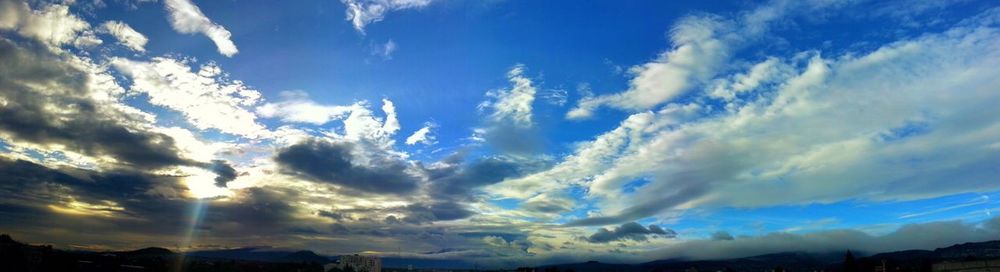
72 206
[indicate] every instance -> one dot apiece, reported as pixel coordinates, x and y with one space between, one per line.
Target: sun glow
201 183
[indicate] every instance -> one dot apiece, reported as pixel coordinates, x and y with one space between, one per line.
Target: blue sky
522 131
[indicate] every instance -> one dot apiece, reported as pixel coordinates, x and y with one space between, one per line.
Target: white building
361 263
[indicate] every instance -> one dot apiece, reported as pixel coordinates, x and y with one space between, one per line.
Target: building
361 263
968 266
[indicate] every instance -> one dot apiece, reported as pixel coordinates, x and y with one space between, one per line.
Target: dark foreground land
16 256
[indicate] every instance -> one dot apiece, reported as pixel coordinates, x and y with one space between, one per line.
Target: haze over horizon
501 132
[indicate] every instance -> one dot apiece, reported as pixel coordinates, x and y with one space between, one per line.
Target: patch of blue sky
854 214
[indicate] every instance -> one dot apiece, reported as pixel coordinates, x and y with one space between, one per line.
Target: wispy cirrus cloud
364 12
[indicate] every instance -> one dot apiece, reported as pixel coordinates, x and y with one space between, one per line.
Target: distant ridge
149 251
157 258
905 260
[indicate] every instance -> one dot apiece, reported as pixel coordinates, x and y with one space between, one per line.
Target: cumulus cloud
509 125
126 35
700 48
205 98
423 135
52 25
187 18
512 105
50 103
364 12
629 231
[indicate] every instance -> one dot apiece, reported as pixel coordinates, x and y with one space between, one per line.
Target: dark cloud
458 180
336 163
722 236
136 205
127 202
332 215
256 211
512 139
225 172
629 231
443 211
23 179
63 112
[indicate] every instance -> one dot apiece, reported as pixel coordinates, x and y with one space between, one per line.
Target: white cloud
512 105
206 100
362 125
796 130
53 24
364 12
700 50
126 35
768 71
902 118
423 135
187 18
385 50
296 106
702 45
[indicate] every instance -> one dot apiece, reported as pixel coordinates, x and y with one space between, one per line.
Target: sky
503 133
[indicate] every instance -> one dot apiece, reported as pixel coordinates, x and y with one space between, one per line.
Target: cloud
347 164
52 25
458 180
385 50
702 46
205 98
296 106
926 236
441 211
700 49
722 236
557 97
589 159
187 18
509 125
364 12
51 103
825 92
512 105
547 204
126 35
629 231
225 172
769 71
423 136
